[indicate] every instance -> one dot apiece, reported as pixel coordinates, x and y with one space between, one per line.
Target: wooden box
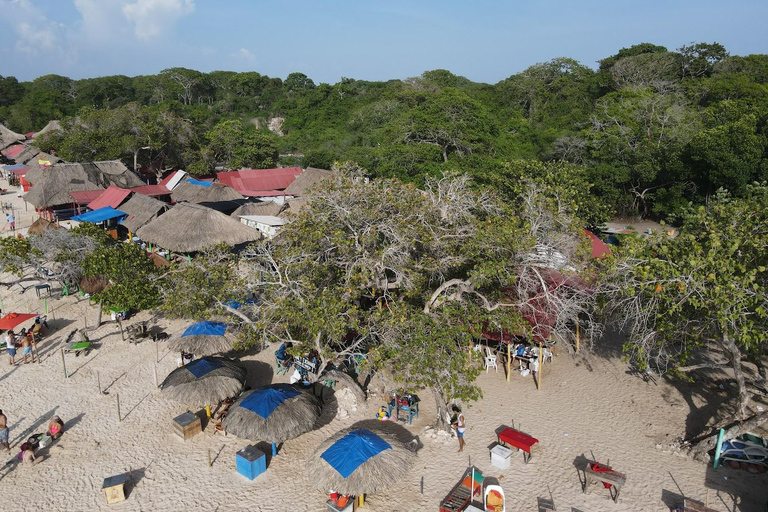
187 425
114 488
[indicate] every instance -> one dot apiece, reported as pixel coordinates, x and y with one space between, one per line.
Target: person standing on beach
4 434
26 348
459 425
10 344
11 222
535 369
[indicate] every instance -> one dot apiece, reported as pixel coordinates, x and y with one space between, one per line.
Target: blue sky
483 40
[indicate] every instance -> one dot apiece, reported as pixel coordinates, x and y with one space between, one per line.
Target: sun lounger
77 347
460 496
611 480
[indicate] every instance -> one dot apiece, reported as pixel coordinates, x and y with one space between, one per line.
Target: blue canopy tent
199 182
204 338
100 215
273 413
363 459
207 380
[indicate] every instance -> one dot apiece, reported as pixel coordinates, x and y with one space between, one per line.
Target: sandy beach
589 407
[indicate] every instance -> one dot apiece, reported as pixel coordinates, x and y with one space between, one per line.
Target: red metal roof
259 182
13 151
168 178
84 197
600 249
113 196
152 190
29 135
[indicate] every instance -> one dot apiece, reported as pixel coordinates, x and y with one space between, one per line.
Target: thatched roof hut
52 185
204 339
205 381
9 137
273 414
93 284
190 227
366 458
41 225
52 126
294 206
141 210
307 180
260 208
214 193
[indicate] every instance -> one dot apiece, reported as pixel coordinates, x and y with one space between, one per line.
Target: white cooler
500 456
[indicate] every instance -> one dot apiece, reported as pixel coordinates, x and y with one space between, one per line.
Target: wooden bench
604 475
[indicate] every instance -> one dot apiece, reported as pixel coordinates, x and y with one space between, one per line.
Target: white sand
589 406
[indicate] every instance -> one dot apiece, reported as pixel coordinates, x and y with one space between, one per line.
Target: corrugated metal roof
152 190
84 197
13 151
113 196
252 182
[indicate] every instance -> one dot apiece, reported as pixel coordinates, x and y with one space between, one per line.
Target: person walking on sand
4 433
11 222
26 348
10 344
535 370
459 425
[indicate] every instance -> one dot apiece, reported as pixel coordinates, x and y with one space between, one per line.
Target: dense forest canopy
652 129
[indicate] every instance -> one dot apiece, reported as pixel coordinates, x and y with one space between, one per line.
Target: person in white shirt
10 344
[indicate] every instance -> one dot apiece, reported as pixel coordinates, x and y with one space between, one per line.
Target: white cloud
245 54
152 17
35 34
100 20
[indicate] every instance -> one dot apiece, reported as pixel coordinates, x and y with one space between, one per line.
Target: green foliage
236 147
197 289
129 275
15 254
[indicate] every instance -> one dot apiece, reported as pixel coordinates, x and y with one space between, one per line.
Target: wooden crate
114 488
187 425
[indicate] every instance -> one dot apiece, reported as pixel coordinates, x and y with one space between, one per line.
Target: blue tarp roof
264 401
206 328
15 166
346 454
100 215
198 182
201 367
236 305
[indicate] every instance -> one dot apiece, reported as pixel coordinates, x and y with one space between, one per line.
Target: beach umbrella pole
64 364
274 450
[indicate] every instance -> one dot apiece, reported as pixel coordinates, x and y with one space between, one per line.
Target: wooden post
577 336
422 484
120 324
157 352
98 381
209 458
45 305
154 372
541 366
119 417
64 364
208 411
509 360
706 503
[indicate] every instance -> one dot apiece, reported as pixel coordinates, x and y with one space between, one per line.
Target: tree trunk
99 309
738 373
442 409
704 444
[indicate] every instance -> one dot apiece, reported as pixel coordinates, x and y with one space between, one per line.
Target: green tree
708 284
234 146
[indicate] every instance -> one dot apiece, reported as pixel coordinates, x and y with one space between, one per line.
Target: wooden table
605 475
518 440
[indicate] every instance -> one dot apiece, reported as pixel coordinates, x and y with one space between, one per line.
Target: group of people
28 448
25 340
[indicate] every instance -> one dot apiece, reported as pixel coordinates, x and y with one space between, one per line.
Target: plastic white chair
500 491
490 360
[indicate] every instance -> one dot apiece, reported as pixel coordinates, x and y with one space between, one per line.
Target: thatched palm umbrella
41 225
204 338
360 461
273 413
207 380
191 227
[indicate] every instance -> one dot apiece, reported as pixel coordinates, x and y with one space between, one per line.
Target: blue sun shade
346 454
265 400
206 328
201 367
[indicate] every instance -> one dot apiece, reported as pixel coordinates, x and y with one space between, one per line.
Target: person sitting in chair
282 355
